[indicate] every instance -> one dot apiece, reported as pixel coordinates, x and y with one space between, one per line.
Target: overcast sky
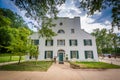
69 9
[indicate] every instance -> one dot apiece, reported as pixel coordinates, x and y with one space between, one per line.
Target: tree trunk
19 59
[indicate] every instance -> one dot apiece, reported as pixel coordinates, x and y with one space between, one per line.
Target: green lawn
96 65
28 66
6 58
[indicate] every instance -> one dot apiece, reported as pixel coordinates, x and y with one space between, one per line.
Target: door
60 58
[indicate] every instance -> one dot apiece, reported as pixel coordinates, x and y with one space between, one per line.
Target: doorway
61 56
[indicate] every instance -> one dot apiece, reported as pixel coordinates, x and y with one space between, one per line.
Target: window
35 42
87 42
73 42
48 54
72 31
89 54
74 54
61 42
49 43
61 31
61 24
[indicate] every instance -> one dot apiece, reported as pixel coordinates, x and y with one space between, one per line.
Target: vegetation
7 58
92 6
107 42
93 65
27 66
39 9
13 34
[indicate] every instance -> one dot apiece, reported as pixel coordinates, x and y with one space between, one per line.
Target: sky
69 9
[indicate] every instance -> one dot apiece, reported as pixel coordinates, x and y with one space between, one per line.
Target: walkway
62 72
5 63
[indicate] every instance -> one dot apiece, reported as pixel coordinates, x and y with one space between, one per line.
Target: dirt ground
62 72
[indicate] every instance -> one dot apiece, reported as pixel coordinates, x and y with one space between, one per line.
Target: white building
71 42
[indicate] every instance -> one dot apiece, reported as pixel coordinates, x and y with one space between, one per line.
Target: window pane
72 31
48 54
88 54
61 31
73 42
49 42
88 42
36 42
74 54
60 42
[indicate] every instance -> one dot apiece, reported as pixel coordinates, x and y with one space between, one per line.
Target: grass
96 65
6 58
27 66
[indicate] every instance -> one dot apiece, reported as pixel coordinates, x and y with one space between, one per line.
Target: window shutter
92 54
45 54
84 42
71 54
76 42
77 55
85 54
70 42
91 42
51 54
51 42
46 43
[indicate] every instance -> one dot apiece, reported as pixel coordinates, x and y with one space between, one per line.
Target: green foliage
106 42
3 20
5 38
27 66
18 44
10 18
37 9
32 50
93 6
46 30
13 33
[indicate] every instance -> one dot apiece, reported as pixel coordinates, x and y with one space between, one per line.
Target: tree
8 21
107 42
100 36
3 20
18 46
98 5
5 38
40 11
37 9
16 20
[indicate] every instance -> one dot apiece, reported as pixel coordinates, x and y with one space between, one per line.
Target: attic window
61 31
61 24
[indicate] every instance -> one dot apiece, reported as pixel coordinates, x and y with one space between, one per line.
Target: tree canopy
11 18
98 5
38 9
10 26
107 42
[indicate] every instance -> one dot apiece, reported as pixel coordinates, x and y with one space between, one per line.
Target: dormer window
61 31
